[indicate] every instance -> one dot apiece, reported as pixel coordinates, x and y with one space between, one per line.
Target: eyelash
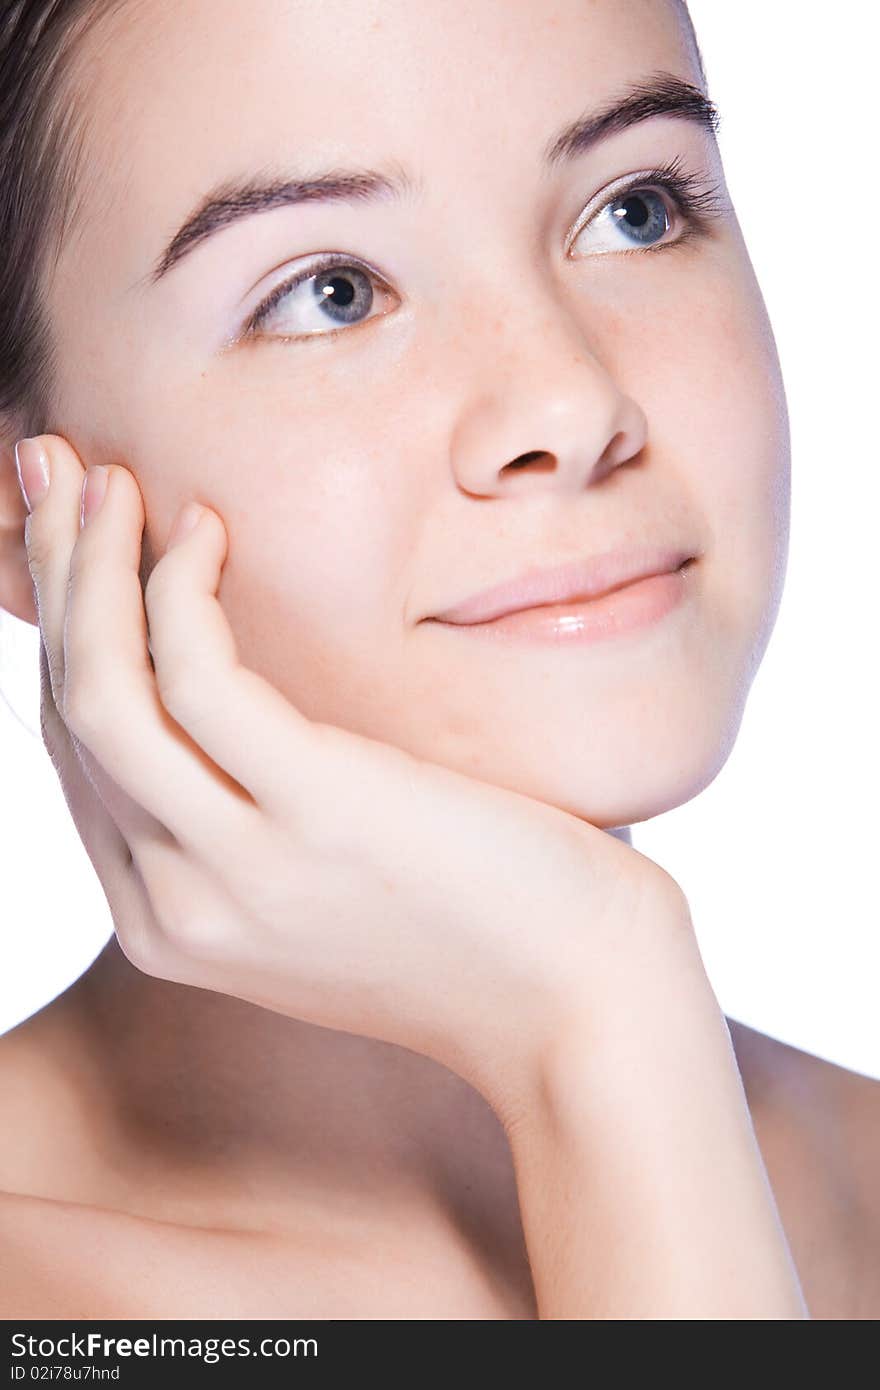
698 203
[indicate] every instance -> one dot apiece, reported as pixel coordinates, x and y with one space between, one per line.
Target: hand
247 849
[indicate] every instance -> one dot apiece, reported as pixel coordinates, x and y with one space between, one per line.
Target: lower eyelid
345 329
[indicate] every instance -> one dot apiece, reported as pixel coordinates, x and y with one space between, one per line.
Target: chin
615 780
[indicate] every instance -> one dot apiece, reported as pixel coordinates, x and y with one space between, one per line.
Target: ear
16 585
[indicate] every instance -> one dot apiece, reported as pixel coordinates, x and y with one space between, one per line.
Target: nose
543 411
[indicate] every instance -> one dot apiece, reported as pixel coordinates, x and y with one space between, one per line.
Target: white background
777 857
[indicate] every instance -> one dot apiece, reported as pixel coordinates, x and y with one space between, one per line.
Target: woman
395 1021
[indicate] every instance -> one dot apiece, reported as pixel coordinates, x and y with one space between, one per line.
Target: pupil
636 211
343 296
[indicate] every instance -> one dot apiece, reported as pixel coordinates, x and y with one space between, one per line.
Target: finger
243 722
99 824
51 532
192 916
158 895
109 823
50 535
110 700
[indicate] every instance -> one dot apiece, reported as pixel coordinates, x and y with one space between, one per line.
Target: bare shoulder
44 1103
36 1254
840 1106
55 1248
79 1241
818 1128
77 1261
48 1242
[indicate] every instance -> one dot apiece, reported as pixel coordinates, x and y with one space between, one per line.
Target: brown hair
41 138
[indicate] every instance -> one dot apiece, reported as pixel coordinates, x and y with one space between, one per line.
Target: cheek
320 533
733 454
325 567
749 494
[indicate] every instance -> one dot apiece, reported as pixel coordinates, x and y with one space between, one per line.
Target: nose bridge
530 367
512 317
504 297
540 339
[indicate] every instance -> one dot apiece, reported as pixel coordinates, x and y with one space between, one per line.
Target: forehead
176 97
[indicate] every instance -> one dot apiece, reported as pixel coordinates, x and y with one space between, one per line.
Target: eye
636 219
643 212
332 294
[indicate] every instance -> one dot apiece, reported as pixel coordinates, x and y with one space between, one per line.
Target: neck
217 1096
210 1109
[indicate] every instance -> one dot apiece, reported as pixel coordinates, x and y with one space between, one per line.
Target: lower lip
625 610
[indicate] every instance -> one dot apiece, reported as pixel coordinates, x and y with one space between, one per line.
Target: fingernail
32 466
94 488
187 519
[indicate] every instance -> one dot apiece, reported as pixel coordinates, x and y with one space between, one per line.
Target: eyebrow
663 94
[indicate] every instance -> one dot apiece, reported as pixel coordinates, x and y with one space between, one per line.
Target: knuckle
146 940
139 951
663 900
149 953
186 934
178 927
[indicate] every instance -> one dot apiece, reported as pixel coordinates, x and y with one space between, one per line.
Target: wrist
642 1187
607 997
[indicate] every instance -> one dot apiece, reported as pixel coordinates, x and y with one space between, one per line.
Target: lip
574 581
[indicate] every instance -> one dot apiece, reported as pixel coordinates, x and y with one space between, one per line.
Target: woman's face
364 474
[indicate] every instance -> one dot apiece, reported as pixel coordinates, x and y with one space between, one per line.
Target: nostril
526 458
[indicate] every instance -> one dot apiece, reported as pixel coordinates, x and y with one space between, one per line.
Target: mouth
573 582
626 607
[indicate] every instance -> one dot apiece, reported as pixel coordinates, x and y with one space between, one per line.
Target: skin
652 384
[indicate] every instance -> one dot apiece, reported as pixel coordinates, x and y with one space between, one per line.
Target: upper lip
575 579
